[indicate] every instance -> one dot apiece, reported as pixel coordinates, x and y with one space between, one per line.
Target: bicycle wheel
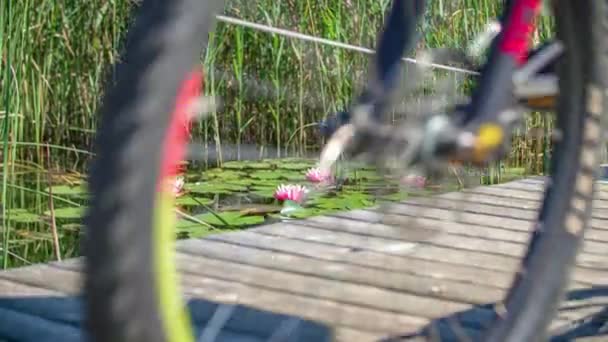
131 285
583 72
126 252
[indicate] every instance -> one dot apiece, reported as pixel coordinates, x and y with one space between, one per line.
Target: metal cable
305 37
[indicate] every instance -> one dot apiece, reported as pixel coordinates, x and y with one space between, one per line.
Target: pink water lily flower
292 192
316 175
414 181
177 186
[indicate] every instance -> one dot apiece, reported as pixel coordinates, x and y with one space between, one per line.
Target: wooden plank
334 255
420 277
336 286
281 242
599 218
348 335
382 279
197 284
364 296
365 248
340 315
507 193
467 211
14 289
421 228
523 194
563 316
341 287
601 193
531 187
416 228
489 195
444 240
46 277
215 289
398 226
374 241
226 290
491 221
306 307
407 210
601 235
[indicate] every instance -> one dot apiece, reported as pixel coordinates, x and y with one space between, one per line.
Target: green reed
57 55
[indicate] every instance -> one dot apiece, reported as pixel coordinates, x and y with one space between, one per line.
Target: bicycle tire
121 287
533 299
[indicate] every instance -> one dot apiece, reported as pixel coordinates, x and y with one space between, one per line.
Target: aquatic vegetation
224 219
219 173
67 213
68 190
193 201
242 165
267 174
22 215
214 187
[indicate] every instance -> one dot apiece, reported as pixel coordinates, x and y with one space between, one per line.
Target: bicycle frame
509 51
492 97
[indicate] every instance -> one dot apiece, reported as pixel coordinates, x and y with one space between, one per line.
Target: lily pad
253 209
278 174
241 181
294 175
214 187
266 192
189 201
193 229
267 174
242 165
223 174
293 160
296 166
345 202
397 196
233 218
267 183
67 213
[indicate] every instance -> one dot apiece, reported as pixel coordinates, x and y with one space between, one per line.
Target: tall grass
55 55
54 63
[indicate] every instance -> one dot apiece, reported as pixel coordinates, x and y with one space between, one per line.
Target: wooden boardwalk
419 274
